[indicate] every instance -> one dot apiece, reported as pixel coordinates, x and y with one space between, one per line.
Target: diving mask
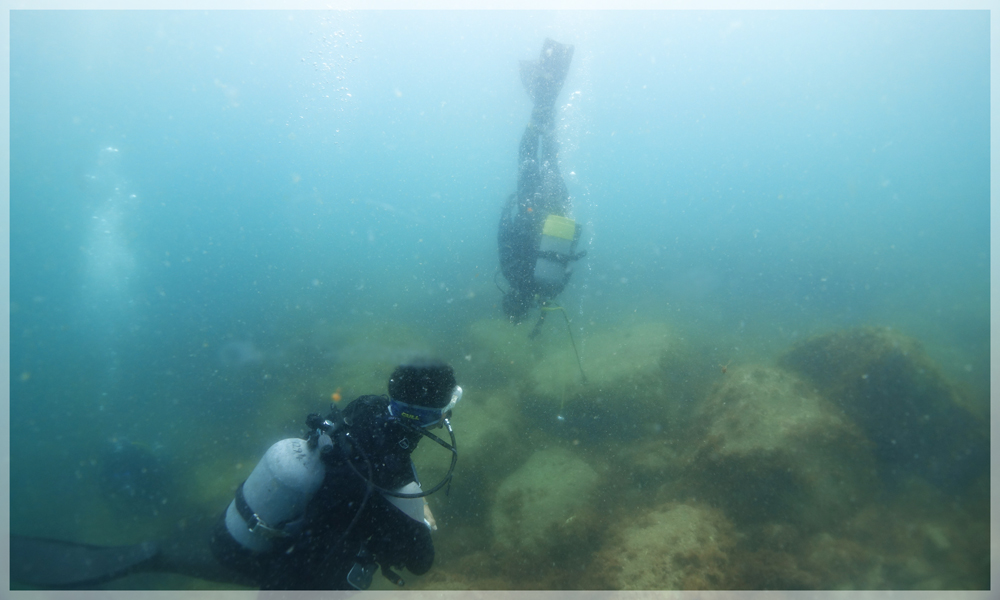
423 416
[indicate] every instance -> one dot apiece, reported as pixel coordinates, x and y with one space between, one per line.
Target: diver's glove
392 576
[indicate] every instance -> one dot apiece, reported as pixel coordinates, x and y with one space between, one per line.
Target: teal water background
193 193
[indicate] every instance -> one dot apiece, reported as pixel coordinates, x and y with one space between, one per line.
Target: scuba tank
272 501
555 250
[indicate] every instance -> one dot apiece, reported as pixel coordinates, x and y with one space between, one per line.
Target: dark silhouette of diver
316 513
537 237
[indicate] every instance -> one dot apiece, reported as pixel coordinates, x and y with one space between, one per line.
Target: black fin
46 563
544 78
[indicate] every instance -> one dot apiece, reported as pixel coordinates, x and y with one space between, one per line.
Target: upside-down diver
537 235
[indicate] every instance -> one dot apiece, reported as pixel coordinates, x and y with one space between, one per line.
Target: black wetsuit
541 191
321 556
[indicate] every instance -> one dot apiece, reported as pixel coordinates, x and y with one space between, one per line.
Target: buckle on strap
254 523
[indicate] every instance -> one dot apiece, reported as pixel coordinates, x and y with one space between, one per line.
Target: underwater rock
488 430
498 353
885 383
629 391
651 466
333 359
489 422
774 450
674 547
544 508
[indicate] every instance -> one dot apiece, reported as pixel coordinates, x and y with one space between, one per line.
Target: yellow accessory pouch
559 227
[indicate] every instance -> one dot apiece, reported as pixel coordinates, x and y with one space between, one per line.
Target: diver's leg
544 78
190 552
554 65
55 564
58 564
553 189
529 179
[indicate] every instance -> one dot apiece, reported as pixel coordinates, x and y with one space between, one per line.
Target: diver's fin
46 563
529 72
544 78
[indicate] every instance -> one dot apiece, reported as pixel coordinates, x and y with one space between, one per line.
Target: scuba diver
322 512
537 236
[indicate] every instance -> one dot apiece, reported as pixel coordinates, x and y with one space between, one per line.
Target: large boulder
673 547
331 358
775 450
631 386
491 445
497 353
545 508
885 383
489 428
360 361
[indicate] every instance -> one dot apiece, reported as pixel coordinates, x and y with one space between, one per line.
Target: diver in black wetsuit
316 513
537 237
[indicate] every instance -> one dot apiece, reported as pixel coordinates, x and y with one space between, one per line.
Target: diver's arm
401 541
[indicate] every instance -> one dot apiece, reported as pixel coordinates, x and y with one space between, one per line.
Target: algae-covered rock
655 465
498 353
544 508
676 546
330 358
628 391
360 362
775 450
490 428
884 382
488 432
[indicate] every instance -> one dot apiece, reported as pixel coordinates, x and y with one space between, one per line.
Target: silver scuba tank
559 236
276 493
